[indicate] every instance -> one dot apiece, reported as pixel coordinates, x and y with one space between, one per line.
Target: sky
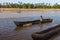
32 1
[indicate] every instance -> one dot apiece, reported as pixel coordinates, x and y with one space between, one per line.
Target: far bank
17 9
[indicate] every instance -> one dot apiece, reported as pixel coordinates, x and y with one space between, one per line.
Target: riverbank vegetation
29 5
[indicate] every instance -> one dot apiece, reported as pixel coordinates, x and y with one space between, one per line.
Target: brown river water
9 31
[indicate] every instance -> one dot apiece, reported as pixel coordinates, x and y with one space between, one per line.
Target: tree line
29 5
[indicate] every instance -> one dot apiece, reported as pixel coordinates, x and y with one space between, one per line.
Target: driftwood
18 23
46 34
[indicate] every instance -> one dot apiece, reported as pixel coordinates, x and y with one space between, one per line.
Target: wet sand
9 31
17 9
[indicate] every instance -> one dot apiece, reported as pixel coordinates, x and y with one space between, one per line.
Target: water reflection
19 27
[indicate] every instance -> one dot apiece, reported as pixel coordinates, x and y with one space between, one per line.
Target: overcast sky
32 1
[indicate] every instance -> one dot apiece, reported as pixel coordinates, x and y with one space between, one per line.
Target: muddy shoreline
16 9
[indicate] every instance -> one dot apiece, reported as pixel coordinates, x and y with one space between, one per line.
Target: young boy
41 18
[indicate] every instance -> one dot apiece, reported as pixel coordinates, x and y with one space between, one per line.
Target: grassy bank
16 9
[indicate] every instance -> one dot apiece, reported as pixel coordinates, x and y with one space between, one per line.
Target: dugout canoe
19 23
46 34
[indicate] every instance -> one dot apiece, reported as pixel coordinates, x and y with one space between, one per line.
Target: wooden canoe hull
18 23
46 34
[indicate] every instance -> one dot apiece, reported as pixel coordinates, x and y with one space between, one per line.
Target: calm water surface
9 31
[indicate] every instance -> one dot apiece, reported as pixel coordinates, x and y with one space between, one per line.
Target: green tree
0 5
56 6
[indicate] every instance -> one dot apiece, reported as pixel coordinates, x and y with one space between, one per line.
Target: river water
9 31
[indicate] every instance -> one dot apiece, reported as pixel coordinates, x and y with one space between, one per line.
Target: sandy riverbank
14 9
